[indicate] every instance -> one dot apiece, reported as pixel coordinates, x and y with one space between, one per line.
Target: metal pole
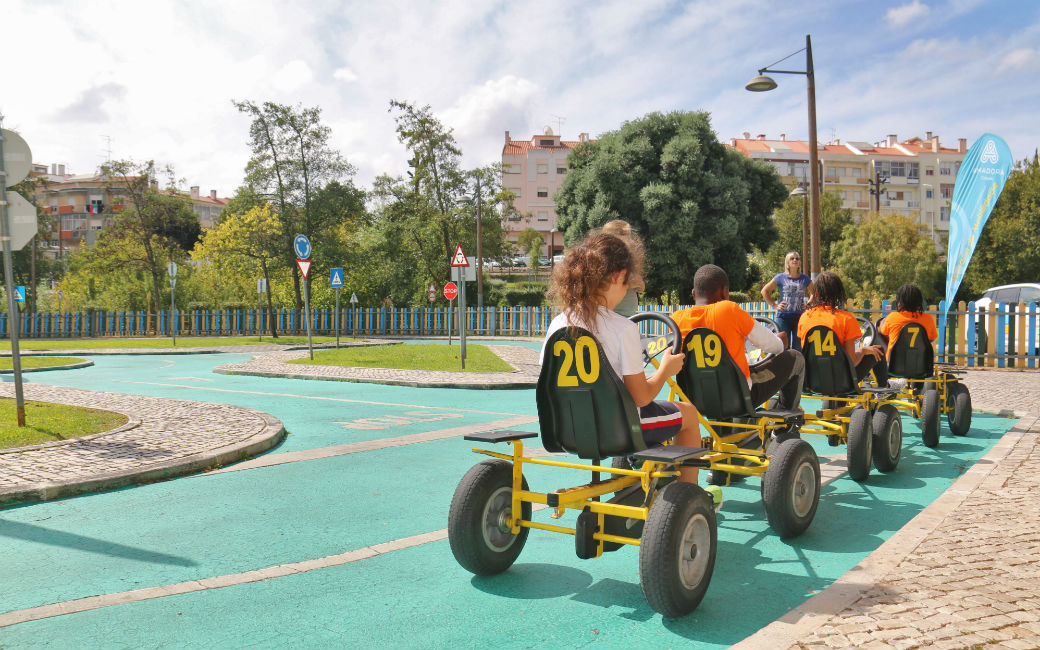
13 322
173 316
307 316
337 318
814 171
805 232
462 315
480 253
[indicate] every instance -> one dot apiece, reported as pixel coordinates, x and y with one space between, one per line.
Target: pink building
533 171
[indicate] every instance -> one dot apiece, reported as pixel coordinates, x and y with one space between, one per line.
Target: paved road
343 523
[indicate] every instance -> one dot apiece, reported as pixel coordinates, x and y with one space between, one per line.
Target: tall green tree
691 199
878 255
788 222
1008 250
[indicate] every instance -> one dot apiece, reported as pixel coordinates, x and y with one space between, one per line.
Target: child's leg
689 436
662 421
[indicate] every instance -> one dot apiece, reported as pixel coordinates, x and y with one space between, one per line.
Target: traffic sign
431 292
336 278
19 294
17 157
171 268
451 290
305 267
353 298
302 246
261 285
21 219
459 259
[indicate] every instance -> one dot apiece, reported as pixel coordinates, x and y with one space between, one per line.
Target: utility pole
876 184
480 251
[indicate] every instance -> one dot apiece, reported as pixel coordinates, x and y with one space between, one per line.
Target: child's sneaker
716 496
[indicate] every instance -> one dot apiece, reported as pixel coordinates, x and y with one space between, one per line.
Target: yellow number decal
707 351
653 347
827 344
913 336
576 357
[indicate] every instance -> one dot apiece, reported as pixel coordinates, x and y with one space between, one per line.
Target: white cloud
904 15
1023 57
345 75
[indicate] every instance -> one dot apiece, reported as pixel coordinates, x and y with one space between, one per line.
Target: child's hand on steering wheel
672 363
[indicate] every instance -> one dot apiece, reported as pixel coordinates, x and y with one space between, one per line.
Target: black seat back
912 354
711 378
583 406
828 367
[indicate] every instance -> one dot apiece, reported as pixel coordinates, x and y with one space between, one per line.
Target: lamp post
923 193
552 248
763 83
876 183
800 191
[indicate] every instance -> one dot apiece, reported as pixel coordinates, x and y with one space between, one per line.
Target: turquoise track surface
212 525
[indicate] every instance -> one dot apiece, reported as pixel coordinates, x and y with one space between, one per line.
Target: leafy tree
877 256
531 242
693 200
788 222
150 230
240 246
28 267
1009 245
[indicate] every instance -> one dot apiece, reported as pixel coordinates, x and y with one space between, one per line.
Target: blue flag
980 181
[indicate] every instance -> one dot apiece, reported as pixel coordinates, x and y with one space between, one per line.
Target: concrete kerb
85 363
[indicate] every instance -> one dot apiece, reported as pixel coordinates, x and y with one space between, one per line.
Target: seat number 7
583 358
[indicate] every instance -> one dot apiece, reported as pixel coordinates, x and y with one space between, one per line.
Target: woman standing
794 287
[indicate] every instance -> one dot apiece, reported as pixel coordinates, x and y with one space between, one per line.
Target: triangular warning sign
460 258
337 279
305 267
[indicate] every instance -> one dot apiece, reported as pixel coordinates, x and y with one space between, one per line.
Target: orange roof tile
521 147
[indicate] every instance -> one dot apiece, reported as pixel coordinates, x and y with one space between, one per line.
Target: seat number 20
575 359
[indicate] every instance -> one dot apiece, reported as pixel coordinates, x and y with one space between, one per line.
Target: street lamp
800 191
763 83
552 248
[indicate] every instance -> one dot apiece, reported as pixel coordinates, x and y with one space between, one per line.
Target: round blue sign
302 246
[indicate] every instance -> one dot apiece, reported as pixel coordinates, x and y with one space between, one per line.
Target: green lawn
38 362
162 342
45 422
411 357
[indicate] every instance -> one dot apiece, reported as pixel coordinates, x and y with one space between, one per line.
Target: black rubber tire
930 417
888 438
481 505
791 487
861 441
959 418
674 565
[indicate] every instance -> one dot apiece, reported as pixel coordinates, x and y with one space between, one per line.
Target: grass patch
411 357
162 342
7 363
46 422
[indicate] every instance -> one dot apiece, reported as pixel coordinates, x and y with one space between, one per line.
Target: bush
739 297
523 296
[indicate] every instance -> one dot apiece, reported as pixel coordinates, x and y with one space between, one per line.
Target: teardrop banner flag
979 183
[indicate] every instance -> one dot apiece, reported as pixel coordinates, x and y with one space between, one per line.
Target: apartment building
84 207
914 177
533 171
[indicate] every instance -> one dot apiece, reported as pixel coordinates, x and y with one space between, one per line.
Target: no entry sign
451 290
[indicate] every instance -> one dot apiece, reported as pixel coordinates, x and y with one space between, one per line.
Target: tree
150 231
1008 250
531 242
291 162
788 222
691 199
241 246
877 256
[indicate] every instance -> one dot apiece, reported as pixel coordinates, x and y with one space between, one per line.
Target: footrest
670 453
790 416
877 391
499 436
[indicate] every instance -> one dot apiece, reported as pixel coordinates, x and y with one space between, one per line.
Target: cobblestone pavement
964 573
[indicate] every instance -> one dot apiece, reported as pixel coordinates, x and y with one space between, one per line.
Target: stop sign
451 290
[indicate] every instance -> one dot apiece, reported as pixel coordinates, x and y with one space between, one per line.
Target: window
1029 294
946 190
944 214
561 170
543 168
927 194
913 170
896 196
857 195
543 215
515 191
898 169
510 168
832 172
929 172
546 143
543 192
949 168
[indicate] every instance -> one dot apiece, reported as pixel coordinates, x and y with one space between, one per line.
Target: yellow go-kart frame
585 409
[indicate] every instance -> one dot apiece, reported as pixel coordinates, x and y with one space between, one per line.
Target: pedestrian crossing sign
336 278
19 294
459 258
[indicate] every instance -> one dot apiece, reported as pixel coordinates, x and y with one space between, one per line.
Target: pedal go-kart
932 389
740 436
585 409
864 418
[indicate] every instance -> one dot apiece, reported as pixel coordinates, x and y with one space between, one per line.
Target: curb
447 383
85 363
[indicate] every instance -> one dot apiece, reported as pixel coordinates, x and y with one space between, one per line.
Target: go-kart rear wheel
930 417
861 439
478 521
791 487
959 417
888 438
677 552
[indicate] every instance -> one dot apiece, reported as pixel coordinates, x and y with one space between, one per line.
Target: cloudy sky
155 79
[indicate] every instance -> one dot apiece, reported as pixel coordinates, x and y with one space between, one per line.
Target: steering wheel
753 354
654 345
868 331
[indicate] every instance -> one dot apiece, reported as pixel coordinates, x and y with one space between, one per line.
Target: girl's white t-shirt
618 336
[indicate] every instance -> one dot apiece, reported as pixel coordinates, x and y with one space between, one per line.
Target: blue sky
155 80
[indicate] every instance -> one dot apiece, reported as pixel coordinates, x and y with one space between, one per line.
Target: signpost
450 291
336 282
15 163
302 247
261 289
353 304
172 270
459 262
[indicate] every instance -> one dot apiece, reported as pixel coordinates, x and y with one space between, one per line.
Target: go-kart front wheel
478 521
861 440
677 552
930 417
791 487
959 417
888 438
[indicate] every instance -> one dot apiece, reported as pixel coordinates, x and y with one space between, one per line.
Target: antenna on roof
108 149
559 119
